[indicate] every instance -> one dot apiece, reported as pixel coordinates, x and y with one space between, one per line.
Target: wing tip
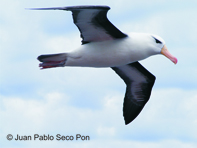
128 119
52 8
127 122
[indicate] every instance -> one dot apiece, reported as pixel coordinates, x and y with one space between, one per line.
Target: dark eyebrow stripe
157 41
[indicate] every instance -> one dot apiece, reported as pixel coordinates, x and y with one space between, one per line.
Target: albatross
103 45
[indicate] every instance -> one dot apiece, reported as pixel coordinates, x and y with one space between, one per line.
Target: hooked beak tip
175 60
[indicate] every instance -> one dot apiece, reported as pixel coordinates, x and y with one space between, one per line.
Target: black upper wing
139 83
92 23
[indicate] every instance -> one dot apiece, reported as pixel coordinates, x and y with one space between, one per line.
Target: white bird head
162 49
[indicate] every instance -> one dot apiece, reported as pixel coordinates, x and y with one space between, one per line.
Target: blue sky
88 101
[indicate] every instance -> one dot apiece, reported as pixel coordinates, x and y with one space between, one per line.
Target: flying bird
103 45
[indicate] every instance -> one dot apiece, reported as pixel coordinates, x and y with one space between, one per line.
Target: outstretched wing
92 23
139 83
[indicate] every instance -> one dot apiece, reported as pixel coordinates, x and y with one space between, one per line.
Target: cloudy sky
88 101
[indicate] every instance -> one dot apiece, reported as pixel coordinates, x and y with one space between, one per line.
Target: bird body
111 53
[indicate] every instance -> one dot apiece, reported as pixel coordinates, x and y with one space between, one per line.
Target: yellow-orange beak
166 53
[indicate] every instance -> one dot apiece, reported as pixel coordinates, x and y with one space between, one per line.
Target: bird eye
157 41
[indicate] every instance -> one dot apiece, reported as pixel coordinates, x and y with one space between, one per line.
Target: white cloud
170 114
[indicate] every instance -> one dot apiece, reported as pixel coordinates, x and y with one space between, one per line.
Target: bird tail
52 60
